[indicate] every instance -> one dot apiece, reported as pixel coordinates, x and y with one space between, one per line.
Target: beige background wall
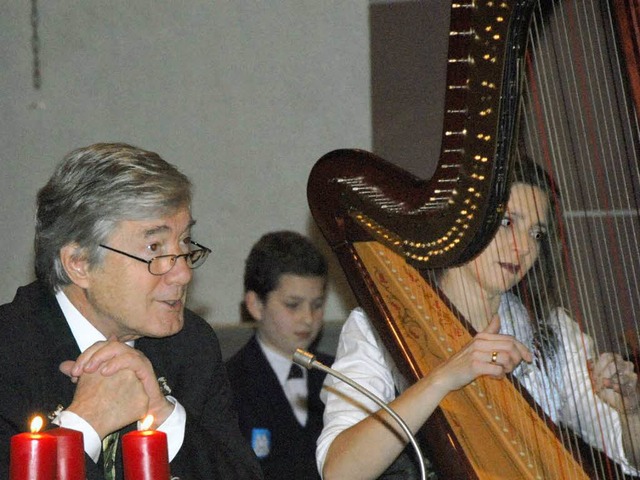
243 95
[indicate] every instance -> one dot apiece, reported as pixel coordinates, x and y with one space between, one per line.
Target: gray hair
91 191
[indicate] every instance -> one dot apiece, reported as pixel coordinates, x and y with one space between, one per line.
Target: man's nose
180 273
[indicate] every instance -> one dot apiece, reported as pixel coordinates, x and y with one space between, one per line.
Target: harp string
579 149
470 304
575 122
598 278
542 95
506 398
567 128
607 228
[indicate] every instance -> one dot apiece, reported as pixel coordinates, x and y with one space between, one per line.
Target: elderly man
102 337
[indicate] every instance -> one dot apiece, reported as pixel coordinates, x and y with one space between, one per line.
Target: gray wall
244 96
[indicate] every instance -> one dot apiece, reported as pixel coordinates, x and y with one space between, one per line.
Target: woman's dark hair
541 288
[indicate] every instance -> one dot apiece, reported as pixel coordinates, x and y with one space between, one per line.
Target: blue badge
261 442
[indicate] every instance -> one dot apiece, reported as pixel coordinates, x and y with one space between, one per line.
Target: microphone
308 361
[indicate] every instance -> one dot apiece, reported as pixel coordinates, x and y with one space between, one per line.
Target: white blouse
563 389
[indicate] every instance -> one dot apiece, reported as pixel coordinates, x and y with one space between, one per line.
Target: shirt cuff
173 426
92 443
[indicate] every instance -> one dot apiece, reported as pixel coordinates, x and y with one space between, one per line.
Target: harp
389 229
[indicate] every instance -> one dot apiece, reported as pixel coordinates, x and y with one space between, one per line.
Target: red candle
33 455
145 454
70 453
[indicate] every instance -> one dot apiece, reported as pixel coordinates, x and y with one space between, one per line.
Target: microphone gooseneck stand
308 361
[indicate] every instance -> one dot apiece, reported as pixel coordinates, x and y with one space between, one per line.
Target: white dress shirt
294 388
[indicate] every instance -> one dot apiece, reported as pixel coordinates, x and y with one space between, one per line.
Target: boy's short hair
279 253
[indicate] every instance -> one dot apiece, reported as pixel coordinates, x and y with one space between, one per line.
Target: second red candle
145 455
70 453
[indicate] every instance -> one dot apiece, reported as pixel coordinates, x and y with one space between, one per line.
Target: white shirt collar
83 331
280 363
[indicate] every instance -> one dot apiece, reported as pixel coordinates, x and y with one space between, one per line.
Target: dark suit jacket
36 339
262 403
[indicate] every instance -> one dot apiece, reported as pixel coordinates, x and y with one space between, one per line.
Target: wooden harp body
388 227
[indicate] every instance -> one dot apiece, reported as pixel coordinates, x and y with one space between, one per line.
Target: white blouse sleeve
598 423
361 357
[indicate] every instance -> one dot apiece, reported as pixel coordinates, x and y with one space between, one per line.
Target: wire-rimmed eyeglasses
164 263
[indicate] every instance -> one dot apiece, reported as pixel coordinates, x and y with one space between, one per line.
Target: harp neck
451 217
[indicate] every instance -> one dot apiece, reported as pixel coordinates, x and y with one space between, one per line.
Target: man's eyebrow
155 230
164 228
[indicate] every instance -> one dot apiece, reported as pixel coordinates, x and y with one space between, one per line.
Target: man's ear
74 261
254 305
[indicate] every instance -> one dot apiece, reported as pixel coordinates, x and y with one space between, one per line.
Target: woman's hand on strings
615 382
489 353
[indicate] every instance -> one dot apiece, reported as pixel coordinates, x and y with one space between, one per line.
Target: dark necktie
295 372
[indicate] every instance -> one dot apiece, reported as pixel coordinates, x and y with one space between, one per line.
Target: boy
278 402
